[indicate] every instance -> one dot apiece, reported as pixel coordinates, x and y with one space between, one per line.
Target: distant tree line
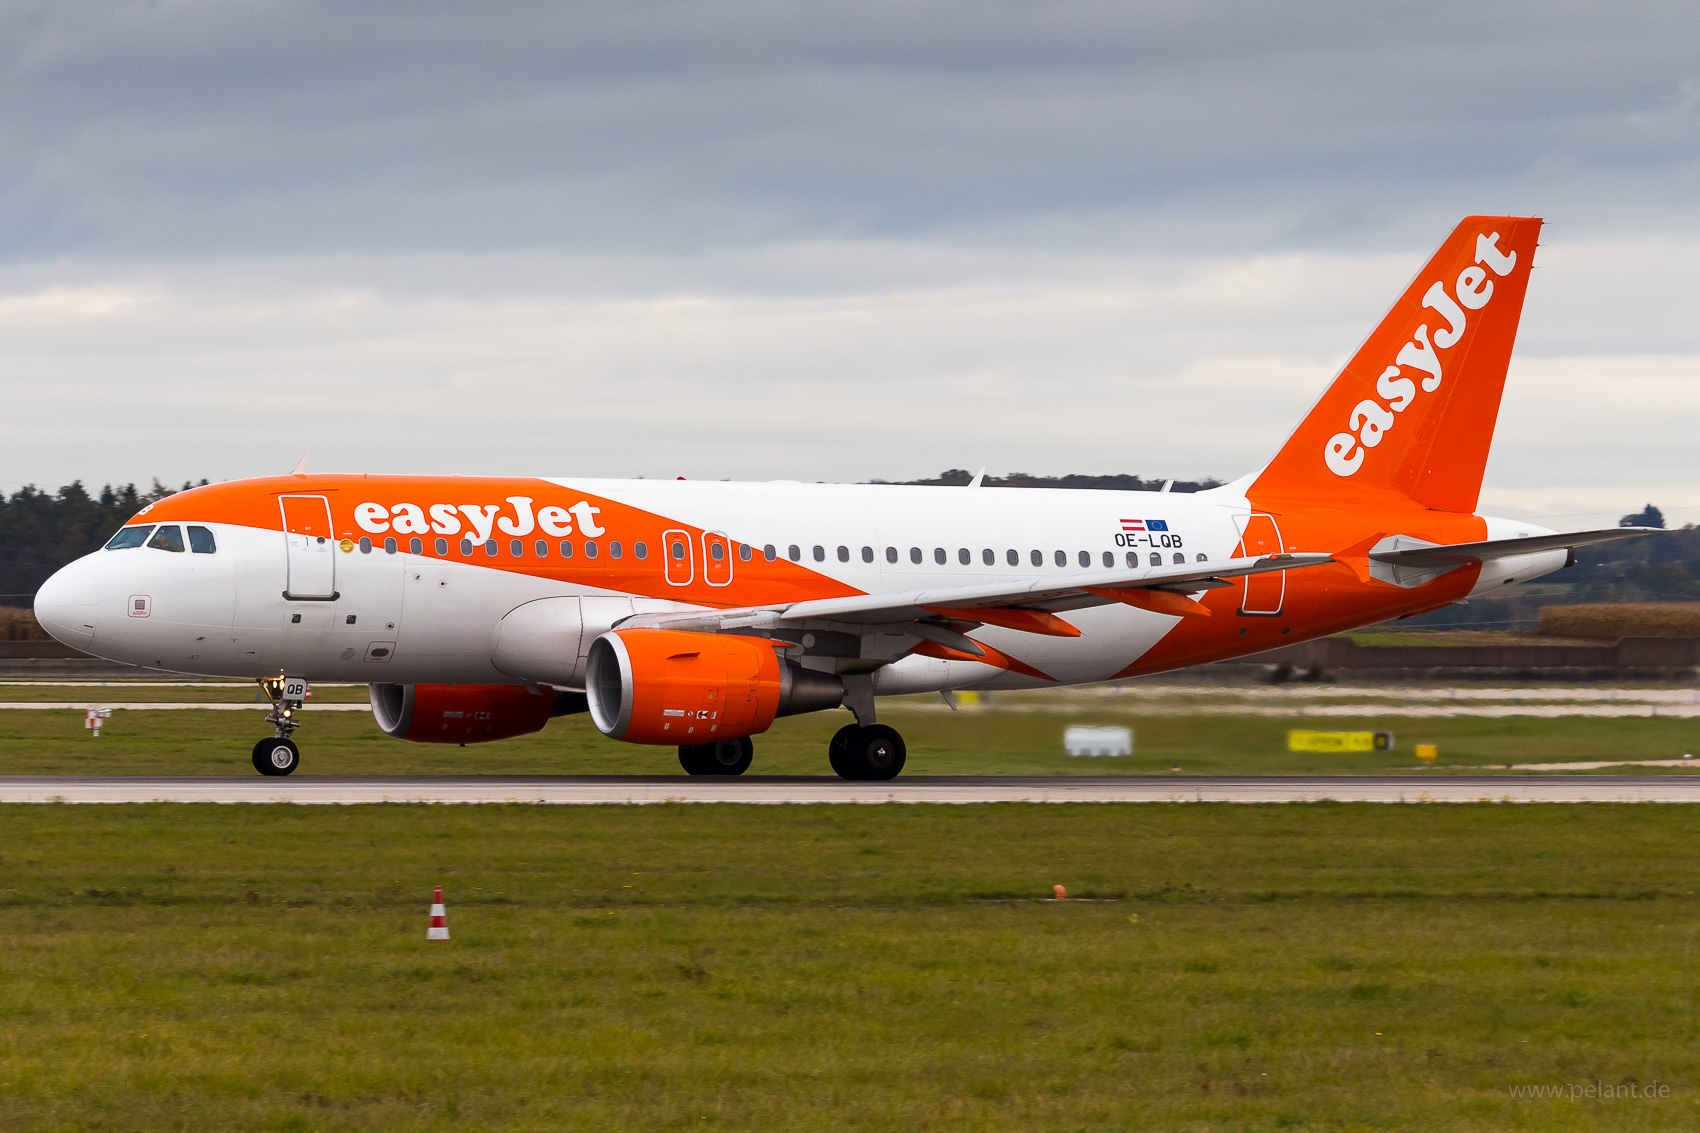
41 532
956 477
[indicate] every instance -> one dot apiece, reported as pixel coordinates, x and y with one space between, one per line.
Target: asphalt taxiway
607 790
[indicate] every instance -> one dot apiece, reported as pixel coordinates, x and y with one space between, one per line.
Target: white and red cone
439 929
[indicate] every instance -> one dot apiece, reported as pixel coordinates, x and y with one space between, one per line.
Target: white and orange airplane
695 613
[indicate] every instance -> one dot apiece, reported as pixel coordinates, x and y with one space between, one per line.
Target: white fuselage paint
401 618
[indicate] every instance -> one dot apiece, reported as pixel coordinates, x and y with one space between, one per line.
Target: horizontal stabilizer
1458 553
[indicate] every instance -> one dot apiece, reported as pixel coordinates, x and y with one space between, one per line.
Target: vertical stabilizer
1414 409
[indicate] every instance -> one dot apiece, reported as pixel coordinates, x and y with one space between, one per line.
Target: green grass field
194 742
1311 967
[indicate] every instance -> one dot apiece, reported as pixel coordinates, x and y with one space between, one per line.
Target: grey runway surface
592 790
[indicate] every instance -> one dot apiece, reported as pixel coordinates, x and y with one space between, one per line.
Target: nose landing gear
279 755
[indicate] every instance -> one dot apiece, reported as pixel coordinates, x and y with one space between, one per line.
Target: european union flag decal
1156 525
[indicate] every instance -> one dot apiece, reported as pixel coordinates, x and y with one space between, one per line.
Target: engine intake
468 714
656 686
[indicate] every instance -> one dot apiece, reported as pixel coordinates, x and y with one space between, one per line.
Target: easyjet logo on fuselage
480 519
1370 420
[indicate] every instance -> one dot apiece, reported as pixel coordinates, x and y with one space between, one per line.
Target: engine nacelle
467 714
657 686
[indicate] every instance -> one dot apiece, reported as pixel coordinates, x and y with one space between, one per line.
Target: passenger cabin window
939 555
389 544
989 557
167 538
201 541
1132 559
614 549
820 553
516 548
566 548
867 554
365 544
843 554
1086 558
466 546
490 548
1062 558
590 548
769 552
891 554
128 537
963 557
416 545
641 550
1180 560
1156 559
541 546
717 551
914 554
1038 558
1201 558
442 547
745 551
1109 558
1013 557
794 552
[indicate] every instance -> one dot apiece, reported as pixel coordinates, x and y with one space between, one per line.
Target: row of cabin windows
166 537
717 551
516 548
965 557
169 537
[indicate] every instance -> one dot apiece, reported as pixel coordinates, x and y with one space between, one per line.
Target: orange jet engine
657 686
468 714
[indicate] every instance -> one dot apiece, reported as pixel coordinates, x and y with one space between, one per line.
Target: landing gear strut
867 752
722 757
279 755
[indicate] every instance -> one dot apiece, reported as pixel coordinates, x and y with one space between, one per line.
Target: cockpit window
167 538
201 541
128 537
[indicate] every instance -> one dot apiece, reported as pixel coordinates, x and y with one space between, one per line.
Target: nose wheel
279 755
276 757
871 752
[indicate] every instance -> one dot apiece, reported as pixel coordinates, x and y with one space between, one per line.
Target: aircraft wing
1040 595
1456 553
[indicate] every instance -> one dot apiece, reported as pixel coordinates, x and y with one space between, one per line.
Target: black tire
722 757
838 750
276 757
874 753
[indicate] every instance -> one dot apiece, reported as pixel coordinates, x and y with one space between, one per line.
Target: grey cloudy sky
824 241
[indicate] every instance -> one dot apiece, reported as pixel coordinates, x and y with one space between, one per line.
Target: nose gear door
311 548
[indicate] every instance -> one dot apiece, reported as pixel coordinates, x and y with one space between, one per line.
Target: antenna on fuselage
978 477
300 466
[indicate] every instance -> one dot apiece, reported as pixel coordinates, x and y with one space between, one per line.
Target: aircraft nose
65 605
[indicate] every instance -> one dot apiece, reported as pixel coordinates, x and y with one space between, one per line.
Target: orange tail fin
1414 410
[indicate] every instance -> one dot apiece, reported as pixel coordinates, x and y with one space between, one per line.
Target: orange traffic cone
439 929
1059 893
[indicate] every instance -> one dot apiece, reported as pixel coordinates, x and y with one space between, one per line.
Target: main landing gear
722 757
867 751
279 755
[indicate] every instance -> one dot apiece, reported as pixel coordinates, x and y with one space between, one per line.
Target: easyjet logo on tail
1370 420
